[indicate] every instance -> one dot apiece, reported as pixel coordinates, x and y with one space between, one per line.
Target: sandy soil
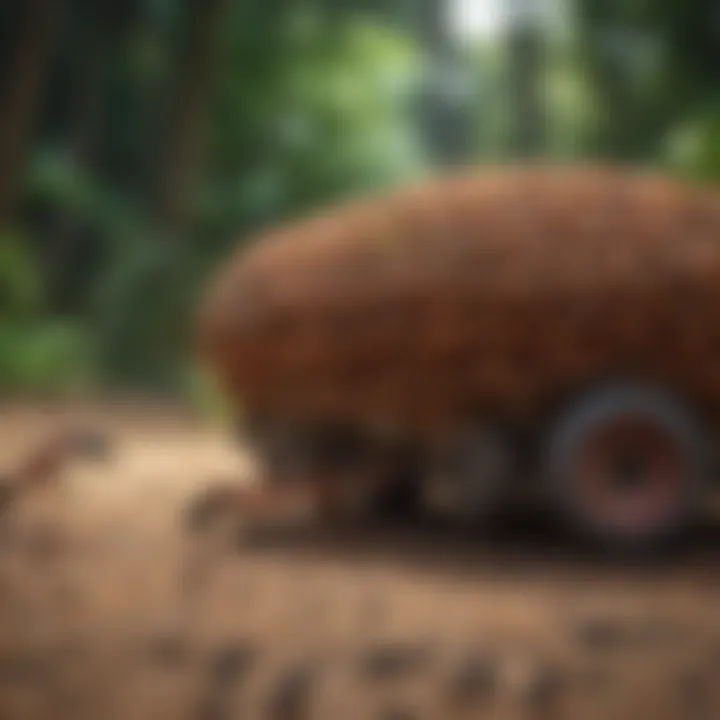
96 622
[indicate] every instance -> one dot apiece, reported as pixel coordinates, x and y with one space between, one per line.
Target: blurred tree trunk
179 167
21 97
102 26
525 65
92 66
445 117
186 123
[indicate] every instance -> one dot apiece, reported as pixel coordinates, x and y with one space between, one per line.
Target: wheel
627 465
365 479
464 477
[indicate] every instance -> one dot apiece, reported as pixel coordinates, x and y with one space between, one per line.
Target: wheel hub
632 474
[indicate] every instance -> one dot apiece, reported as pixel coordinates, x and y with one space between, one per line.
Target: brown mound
492 292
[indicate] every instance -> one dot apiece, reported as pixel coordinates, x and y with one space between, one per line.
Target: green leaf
21 289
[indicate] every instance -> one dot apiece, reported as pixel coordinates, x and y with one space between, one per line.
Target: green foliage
131 307
649 64
20 282
324 115
37 354
344 105
694 148
572 107
58 186
311 102
43 356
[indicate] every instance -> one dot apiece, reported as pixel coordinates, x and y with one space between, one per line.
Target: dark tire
627 465
399 501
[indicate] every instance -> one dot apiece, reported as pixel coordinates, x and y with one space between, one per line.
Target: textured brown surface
94 624
490 292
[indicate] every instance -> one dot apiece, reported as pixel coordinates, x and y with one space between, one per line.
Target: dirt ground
98 622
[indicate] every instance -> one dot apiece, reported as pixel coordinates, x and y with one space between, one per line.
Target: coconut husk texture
490 293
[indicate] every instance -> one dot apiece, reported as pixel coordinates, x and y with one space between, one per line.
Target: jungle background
141 141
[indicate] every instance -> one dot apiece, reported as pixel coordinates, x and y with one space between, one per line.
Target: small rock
397 712
600 633
605 633
92 444
290 697
230 663
390 660
474 680
226 666
537 685
213 706
695 693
